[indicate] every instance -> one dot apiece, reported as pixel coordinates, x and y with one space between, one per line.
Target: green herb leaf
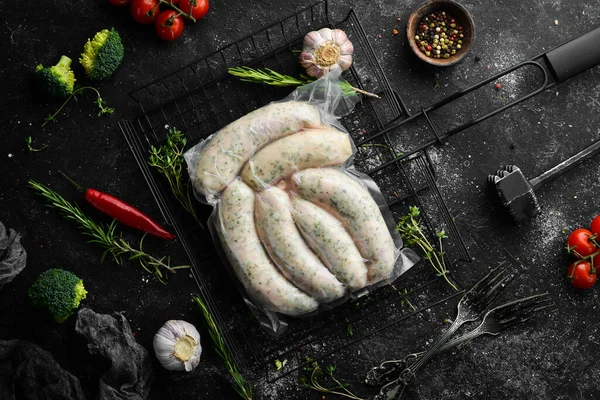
169 162
412 233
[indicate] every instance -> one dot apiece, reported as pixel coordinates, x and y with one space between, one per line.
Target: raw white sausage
287 248
262 280
332 243
352 204
310 148
221 161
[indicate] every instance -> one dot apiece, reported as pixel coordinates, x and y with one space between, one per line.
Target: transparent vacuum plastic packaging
298 227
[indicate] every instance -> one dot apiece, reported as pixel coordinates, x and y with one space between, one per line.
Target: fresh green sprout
280 364
315 372
410 228
103 109
404 300
28 143
241 386
168 160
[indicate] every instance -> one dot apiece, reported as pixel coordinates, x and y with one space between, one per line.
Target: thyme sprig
410 228
168 159
315 372
102 107
241 386
106 236
269 77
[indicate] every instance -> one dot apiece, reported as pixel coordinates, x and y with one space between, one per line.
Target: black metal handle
575 56
566 165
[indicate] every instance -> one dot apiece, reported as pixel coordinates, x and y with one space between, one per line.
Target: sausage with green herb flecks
284 243
262 280
331 242
310 148
352 204
221 161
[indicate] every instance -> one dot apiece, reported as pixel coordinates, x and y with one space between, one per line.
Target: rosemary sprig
410 228
315 371
242 387
169 161
106 236
28 141
103 109
269 77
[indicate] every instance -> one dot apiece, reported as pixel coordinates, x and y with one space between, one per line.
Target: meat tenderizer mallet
518 194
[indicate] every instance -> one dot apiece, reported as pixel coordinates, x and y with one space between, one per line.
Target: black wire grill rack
202 97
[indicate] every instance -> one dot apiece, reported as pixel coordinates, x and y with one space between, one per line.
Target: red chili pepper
125 214
122 212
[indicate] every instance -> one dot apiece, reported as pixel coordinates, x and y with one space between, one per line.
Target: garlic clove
307 59
347 48
312 40
177 346
315 71
339 36
345 61
326 34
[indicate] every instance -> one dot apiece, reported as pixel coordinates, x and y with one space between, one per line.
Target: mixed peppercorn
439 35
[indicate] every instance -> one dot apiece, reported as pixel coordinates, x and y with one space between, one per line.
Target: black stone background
553 359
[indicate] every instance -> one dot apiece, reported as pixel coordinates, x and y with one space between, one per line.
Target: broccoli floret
59 291
102 55
57 81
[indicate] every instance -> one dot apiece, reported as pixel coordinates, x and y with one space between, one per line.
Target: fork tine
537 312
497 286
487 280
521 310
516 306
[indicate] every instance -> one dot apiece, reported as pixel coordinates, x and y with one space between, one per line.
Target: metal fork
470 307
495 321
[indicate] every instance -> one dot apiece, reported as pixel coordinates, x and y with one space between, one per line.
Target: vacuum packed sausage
287 248
352 204
310 148
221 161
262 280
332 243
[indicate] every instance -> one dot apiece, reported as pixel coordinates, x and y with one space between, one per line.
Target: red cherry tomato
119 3
595 228
144 11
169 25
581 275
596 261
580 244
196 8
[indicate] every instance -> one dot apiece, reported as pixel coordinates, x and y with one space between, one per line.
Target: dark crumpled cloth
28 372
110 337
13 256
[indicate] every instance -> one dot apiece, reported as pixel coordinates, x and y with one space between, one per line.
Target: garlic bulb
177 346
325 50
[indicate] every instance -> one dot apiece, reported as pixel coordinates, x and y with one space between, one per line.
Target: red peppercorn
460 28
498 86
428 48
